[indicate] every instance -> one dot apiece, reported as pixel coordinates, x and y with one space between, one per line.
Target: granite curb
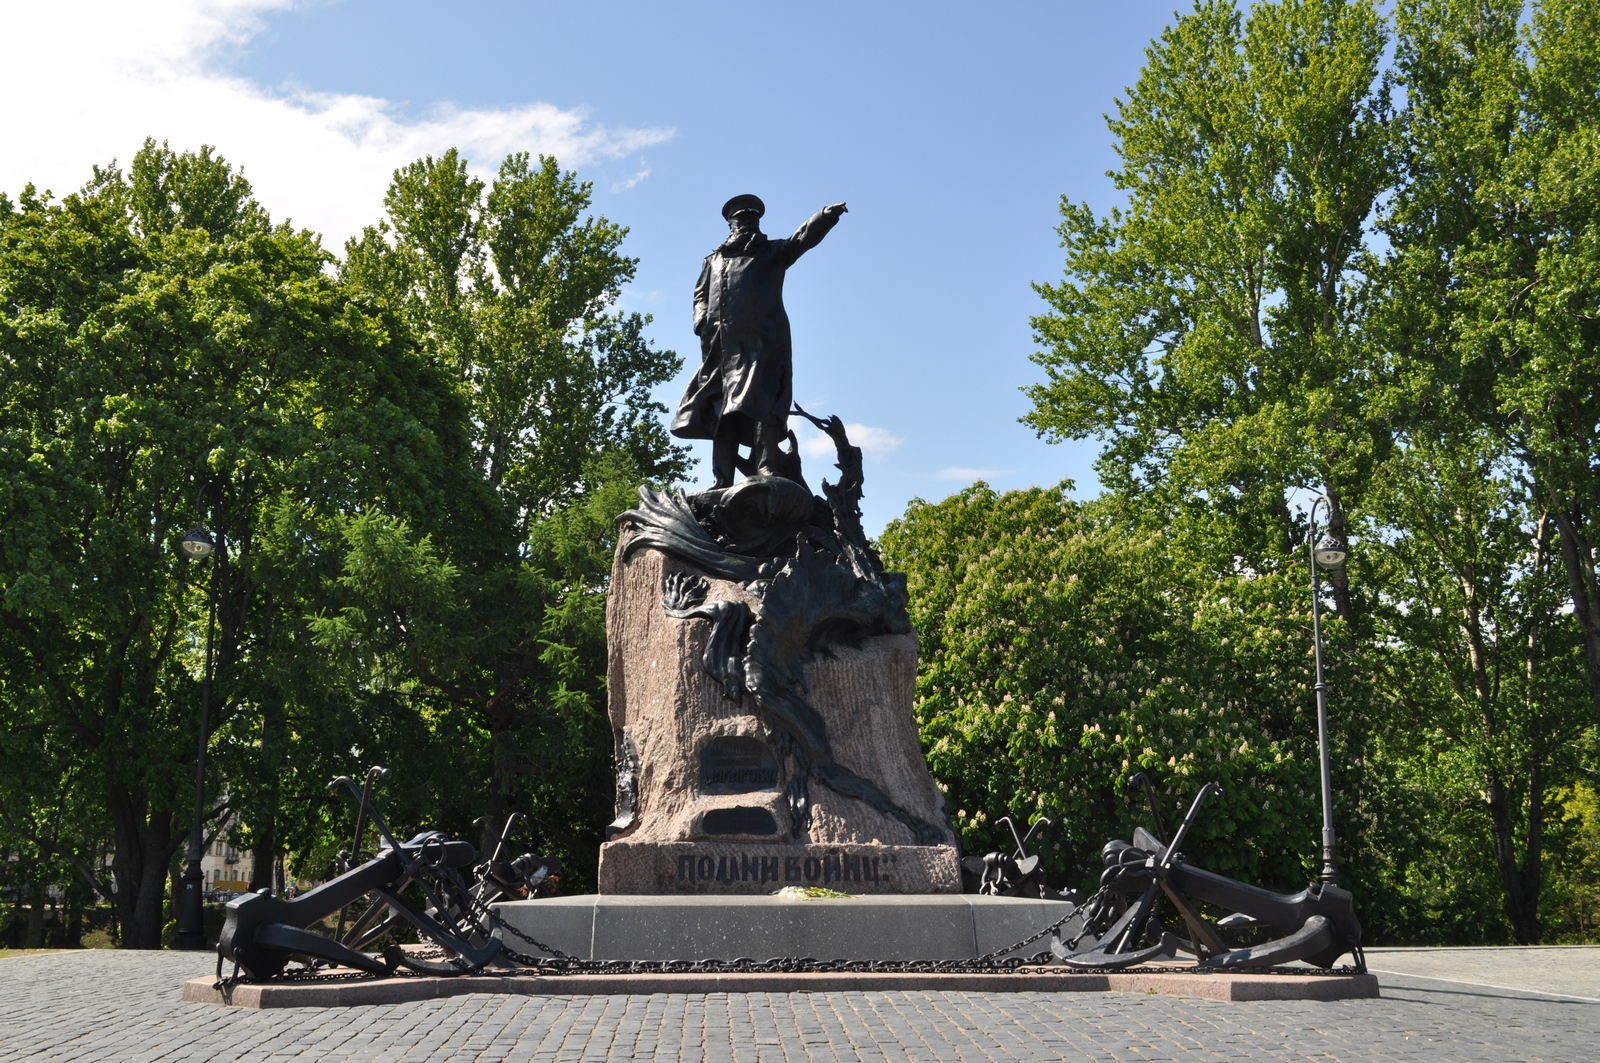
376 991
958 926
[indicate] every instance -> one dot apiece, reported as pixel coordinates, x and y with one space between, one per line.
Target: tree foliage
1330 278
1066 649
1209 330
410 466
491 610
171 356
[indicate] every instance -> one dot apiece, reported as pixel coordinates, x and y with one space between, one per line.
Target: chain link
554 961
557 962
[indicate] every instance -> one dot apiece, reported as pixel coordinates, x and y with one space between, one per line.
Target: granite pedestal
717 792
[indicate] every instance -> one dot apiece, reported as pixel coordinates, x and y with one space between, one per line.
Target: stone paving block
378 991
120 1006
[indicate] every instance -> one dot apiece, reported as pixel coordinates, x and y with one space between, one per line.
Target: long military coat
746 355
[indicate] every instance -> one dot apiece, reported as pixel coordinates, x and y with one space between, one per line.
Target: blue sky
950 129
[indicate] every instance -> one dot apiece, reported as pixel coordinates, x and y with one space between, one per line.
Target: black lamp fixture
1328 551
198 543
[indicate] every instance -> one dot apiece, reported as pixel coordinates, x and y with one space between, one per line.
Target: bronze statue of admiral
744 388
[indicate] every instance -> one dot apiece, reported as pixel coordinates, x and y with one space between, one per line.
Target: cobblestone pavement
125 1007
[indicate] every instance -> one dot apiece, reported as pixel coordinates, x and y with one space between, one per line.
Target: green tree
1064 647
50 833
166 349
1487 687
1484 316
1232 337
1210 332
1573 895
513 289
493 608
1494 268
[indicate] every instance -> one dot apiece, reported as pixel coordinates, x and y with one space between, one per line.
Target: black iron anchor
1318 924
262 933
1011 875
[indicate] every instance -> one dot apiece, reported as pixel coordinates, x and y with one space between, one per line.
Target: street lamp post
1328 551
191 911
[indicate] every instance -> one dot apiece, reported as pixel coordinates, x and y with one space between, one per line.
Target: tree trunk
33 933
1577 557
502 759
1520 884
1519 888
262 856
174 895
13 940
1533 855
263 819
143 844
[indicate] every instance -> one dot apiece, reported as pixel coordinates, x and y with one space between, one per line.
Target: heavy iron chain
554 961
557 962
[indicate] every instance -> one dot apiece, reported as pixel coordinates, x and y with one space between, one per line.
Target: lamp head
198 542
1330 551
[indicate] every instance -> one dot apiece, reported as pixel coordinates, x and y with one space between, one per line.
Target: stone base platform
882 927
950 926
378 991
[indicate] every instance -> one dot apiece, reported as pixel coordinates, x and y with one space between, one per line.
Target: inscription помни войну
835 869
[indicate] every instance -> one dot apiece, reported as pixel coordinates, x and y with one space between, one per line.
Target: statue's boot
764 452
725 452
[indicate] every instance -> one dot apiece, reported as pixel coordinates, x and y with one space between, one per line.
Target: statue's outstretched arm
810 234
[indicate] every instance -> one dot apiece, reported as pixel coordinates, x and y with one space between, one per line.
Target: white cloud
961 472
875 443
86 82
632 182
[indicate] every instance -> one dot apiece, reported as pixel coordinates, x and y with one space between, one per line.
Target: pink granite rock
710 787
